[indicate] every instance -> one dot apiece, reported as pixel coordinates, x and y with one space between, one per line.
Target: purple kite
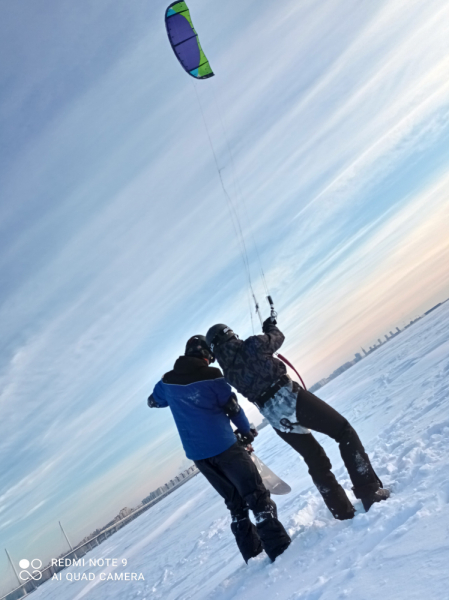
184 41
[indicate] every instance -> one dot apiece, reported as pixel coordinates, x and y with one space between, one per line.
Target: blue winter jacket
196 394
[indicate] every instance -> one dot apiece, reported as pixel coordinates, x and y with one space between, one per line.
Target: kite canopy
184 41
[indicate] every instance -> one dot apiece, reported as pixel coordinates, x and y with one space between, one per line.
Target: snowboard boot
377 496
349 513
337 502
246 535
275 540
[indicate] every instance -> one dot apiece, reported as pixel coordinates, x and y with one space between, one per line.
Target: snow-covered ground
397 399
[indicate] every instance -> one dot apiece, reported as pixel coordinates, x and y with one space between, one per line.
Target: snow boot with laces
377 496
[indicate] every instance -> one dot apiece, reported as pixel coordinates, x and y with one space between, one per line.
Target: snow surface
397 399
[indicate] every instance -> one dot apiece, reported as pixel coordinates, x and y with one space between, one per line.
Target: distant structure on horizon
358 357
125 516
159 493
171 484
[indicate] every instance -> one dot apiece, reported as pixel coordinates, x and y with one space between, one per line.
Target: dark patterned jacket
249 365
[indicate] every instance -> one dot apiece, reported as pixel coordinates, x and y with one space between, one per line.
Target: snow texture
397 400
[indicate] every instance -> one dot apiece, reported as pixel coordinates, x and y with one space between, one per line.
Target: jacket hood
187 364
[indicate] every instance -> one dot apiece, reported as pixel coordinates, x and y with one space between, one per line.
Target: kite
184 41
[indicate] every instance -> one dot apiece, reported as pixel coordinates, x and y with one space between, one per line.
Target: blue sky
116 241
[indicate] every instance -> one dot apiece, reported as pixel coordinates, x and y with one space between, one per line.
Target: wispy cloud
116 244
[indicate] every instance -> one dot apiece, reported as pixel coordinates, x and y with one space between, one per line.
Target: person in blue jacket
203 406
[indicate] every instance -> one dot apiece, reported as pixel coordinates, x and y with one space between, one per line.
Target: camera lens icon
35 574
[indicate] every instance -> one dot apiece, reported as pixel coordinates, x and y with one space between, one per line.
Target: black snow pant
315 414
236 478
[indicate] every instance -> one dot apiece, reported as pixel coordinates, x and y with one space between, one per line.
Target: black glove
267 323
232 406
152 402
246 438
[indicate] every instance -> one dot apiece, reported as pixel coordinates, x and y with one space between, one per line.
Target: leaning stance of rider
249 366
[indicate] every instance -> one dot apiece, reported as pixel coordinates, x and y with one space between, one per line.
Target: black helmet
218 334
197 346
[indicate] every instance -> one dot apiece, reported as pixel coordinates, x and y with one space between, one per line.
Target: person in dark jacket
250 367
203 406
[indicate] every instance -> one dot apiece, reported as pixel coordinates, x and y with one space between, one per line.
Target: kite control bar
273 313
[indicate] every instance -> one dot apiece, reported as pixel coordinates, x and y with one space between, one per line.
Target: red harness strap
289 364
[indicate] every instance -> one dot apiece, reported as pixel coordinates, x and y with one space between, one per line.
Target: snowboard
273 483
